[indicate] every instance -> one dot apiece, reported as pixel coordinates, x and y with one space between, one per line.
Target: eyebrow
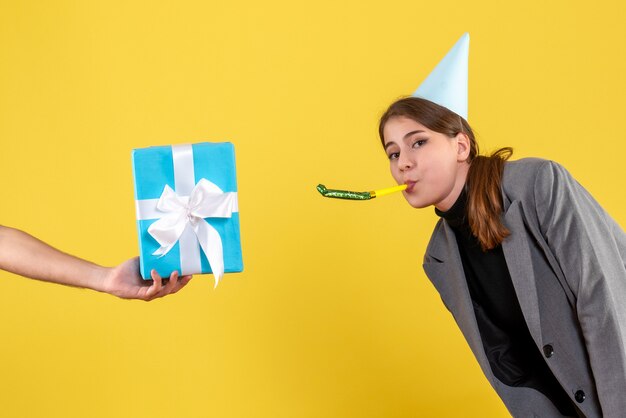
405 137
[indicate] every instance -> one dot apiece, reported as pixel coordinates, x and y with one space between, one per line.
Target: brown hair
484 179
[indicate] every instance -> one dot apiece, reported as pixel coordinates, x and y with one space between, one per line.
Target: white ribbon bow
205 201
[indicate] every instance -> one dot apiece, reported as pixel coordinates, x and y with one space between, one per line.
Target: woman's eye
394 155
419 143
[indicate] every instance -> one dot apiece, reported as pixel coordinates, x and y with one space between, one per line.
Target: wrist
100 278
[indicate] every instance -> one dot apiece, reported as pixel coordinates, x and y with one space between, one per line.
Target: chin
417 203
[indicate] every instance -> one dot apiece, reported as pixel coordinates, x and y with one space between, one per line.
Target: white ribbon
181 218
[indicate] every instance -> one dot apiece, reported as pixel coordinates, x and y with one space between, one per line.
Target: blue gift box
169 181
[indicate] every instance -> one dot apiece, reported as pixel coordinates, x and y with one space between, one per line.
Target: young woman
528 263
23 254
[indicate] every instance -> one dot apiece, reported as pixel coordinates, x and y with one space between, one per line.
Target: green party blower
346 194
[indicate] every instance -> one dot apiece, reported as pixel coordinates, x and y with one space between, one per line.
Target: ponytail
484 205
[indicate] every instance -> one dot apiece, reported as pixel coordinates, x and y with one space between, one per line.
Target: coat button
579 396
548 350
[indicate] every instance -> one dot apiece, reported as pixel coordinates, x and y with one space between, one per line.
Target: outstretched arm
23 254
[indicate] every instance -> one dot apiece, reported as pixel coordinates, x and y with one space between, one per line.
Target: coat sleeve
590 248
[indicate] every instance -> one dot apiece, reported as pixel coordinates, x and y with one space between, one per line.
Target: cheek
437 177
442 168
444 181
395 173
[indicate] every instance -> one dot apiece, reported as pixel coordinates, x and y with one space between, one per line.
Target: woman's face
432 165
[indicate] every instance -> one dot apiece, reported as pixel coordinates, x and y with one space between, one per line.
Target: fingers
176 283
173 285
156 287
182 282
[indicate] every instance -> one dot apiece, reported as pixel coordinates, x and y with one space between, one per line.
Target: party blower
346 194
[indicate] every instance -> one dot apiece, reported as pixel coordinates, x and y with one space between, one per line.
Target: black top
513 355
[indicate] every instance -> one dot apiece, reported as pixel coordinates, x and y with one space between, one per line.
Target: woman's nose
405 163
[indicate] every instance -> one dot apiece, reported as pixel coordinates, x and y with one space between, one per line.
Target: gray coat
566 257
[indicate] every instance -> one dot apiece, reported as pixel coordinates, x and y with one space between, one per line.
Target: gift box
187 211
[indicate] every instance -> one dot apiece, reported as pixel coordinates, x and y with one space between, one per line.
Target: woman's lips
409 186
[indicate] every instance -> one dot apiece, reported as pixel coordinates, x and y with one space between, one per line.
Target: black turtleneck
513 356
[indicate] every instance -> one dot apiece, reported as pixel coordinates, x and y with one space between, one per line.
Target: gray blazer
566 257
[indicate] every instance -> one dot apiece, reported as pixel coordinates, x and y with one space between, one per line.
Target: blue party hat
446 85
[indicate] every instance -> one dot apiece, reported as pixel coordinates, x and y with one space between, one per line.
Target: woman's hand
125 282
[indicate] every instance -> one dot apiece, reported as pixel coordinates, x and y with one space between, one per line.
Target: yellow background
333 315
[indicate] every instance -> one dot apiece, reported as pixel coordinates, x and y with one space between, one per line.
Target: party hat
446 85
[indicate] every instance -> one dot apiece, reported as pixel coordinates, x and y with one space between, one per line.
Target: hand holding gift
187 218
23 254
125 282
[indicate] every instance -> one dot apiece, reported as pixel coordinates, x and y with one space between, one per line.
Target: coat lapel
445 270
519 262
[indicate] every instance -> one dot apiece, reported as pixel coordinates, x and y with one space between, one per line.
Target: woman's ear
463 146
